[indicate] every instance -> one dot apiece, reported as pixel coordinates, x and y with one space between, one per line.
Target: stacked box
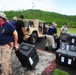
64 37
64 46
72 39
66 58
66 55
27 55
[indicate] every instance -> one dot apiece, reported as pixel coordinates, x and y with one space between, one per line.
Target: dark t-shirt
6 32
52 30
19 24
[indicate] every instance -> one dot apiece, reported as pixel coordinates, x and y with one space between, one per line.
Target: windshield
26 23
29 23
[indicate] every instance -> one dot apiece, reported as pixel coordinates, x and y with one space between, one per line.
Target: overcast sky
67 7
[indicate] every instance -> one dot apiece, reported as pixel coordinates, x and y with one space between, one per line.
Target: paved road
41 44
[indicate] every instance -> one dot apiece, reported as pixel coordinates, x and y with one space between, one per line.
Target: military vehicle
34 29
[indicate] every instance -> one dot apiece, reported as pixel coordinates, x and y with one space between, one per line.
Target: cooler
27 55
66 58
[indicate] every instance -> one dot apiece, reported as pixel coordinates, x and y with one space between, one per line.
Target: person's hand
17 46
62 32
24 38
57 36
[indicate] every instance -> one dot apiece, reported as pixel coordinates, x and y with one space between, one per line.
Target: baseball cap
15 18
21 16
53 22
2 15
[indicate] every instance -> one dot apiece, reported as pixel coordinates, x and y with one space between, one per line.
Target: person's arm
23 31
61 30
56 32
13 31
16 45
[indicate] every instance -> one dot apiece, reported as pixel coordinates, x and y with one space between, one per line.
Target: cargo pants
5 51
50 41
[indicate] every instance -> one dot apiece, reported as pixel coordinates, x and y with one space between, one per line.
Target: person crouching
52 31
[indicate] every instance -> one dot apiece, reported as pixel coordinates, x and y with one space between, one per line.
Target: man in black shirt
20 29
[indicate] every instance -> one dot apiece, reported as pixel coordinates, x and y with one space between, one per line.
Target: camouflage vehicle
35 28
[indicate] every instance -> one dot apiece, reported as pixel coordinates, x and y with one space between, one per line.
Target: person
7 32
52 31
64 29
13 21
20 29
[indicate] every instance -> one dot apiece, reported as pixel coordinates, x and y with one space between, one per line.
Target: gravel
45 60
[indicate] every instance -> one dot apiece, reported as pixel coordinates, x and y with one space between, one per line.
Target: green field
71 30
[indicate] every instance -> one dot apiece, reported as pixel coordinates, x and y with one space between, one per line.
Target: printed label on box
31 61
63 46
73 40
73 47
69 61
67 48
62 59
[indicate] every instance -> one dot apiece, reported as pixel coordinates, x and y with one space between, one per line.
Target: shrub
60 72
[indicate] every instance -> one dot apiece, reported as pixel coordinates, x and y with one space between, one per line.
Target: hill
44 15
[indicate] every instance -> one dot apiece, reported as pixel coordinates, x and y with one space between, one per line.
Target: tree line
45 16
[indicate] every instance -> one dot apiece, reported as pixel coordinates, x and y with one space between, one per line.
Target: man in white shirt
64 29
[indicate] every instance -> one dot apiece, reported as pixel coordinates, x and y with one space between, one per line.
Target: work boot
46 48
54 49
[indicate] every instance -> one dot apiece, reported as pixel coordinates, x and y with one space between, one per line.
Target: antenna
33 4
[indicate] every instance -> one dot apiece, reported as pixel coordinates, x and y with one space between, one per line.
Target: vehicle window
31 24
26 23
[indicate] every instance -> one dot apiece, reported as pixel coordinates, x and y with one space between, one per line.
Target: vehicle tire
34 38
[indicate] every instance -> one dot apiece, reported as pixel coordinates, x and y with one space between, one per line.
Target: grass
71 30
60 72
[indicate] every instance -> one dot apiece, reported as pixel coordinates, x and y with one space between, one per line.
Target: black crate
27 55
64 37
72 48
66 58
72 39
64 46
67 47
